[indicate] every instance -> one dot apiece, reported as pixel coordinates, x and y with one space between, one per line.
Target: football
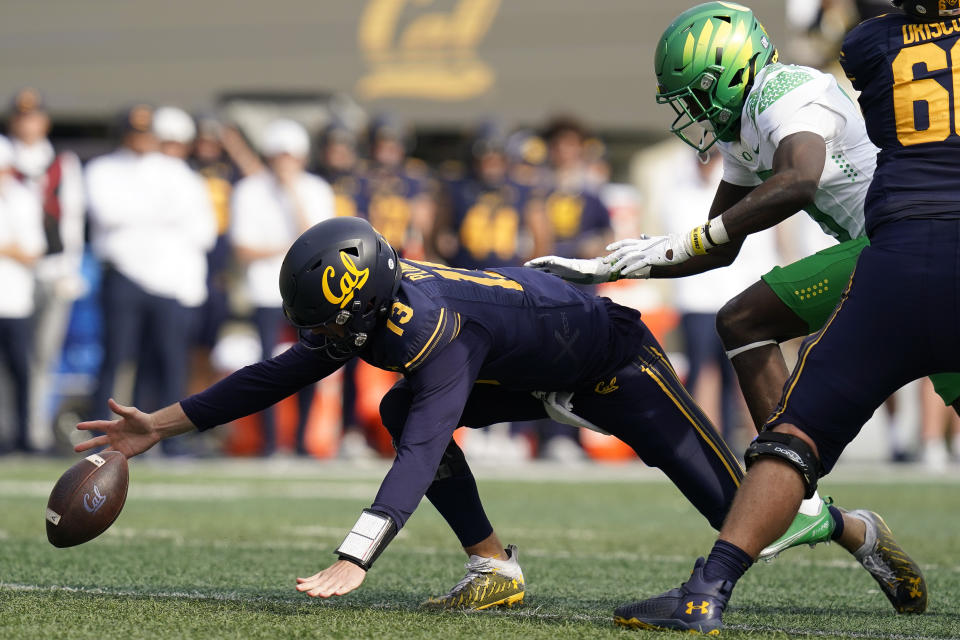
87 499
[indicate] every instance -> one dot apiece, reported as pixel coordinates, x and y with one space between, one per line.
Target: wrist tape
705 237
367 539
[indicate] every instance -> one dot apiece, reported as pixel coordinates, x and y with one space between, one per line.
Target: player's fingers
620 259
94 425
622 253
626 242
92 443
120 409
539 263
636 266
323 591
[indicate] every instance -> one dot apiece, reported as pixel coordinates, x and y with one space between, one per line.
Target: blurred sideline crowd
149 272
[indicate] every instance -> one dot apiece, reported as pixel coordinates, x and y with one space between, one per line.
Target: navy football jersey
544 334
348 187
384 201
488 222
574 216
906 73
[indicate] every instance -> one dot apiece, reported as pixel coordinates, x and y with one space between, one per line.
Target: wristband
698 241
367 539
706 237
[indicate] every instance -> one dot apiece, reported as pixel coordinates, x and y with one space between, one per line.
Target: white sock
811 506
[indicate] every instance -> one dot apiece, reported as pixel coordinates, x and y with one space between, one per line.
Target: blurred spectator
486 219
146 230
941 427
56 180
579 220
527 158
579 227
340 166
219 171
21 244
176 131
817 28
270 210
710 376
396 197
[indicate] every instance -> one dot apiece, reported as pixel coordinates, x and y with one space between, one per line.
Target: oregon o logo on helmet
350 281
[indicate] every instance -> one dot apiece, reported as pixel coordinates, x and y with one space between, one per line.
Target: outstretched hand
338 579
131 434
590 271
633 257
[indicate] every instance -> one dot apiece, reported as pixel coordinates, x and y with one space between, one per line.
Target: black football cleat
696 607
897 574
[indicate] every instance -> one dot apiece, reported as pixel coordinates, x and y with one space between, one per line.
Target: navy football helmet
340 274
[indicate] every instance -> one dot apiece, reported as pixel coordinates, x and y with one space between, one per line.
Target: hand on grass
338 579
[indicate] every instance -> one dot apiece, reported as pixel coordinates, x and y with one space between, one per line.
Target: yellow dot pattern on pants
813 290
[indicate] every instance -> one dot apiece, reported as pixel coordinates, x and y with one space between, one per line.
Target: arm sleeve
256 387
441 388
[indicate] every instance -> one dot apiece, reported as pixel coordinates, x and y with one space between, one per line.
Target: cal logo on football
87 499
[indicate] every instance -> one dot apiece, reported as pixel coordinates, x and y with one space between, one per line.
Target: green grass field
211 550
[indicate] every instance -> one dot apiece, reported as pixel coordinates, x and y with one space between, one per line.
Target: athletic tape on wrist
716 232
367 539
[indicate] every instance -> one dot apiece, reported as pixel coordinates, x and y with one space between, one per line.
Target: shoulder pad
415 330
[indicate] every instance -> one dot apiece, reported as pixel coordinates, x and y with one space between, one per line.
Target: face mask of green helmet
706 62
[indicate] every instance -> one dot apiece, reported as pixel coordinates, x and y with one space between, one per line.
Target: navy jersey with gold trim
348 187
488 221
908 74
384 200
575 216
544 334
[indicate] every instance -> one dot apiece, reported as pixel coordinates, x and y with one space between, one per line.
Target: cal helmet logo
351 280
92 504
949 7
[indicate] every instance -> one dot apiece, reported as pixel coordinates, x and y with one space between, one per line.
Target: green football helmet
706 62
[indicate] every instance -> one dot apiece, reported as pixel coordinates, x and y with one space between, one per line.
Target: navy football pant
897 321
643 403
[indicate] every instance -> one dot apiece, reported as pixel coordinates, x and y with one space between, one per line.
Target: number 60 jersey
914 124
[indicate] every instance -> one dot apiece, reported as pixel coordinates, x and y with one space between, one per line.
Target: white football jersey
788 99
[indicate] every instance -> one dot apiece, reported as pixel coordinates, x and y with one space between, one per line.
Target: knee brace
791 449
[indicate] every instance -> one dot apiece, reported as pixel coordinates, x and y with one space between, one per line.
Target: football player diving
790 140
472 347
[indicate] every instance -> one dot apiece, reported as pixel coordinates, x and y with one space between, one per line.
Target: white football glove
559 407
592 271
635 256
